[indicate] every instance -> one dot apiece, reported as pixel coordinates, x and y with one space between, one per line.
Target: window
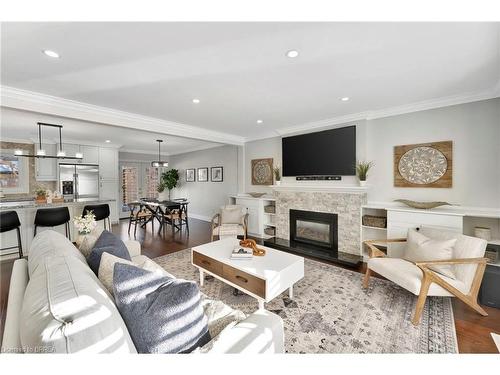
14 173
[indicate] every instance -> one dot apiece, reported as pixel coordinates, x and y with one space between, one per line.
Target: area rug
332 313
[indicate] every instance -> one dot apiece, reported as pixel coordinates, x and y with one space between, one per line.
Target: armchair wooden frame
429 277
216 222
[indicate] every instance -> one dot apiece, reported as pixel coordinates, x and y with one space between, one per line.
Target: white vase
362 183
277 183
163 196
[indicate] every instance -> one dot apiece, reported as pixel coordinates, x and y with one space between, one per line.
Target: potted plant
277 175
41 194
362 168
84 224
168 180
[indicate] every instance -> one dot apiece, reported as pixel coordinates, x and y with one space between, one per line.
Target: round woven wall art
422 165
262 172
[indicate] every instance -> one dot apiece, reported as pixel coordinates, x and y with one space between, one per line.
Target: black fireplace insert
318 229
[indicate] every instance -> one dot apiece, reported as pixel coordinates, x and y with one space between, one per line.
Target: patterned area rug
332 313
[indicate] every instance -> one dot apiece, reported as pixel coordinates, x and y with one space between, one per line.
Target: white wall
205 198
474 129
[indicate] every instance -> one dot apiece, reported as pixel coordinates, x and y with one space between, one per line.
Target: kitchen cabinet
108 163
90 154
70 150
110 190
46 169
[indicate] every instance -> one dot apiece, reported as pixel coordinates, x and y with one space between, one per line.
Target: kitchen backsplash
29 148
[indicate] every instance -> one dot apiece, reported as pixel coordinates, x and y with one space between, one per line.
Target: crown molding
388 112
36 102
184 151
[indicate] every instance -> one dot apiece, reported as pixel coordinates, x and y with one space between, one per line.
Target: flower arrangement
277 173
362 168
85 223
40 192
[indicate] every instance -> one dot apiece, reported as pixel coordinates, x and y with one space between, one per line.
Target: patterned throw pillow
162 314
422 248
107 243
89 241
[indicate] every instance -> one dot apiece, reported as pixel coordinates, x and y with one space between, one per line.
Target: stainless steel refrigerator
79 180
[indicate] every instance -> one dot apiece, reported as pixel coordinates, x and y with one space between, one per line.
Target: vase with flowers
84 224
362 168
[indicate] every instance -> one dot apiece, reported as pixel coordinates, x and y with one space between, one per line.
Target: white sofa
57 304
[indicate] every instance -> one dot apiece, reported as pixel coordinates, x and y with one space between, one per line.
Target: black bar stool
51 217
101 212
10 221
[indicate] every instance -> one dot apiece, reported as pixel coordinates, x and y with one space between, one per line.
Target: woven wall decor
262 171
424 165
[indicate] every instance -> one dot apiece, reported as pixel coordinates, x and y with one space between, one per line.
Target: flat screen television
325 153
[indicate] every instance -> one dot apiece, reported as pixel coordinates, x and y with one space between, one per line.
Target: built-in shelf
270 225
376 228
494 241
269 213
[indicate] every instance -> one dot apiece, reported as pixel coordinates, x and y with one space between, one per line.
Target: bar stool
51 217
101 212
10 221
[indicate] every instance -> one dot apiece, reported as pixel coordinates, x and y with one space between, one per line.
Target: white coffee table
263 278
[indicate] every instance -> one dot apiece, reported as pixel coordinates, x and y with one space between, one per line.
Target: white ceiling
240 72
21 125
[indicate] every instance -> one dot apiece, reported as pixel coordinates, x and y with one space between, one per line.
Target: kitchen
87 175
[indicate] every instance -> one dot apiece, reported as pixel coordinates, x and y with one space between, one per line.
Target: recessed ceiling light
345 98
50 53
292 53
259 121
196 101
108 141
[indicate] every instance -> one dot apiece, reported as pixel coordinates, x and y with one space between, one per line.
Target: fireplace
316 229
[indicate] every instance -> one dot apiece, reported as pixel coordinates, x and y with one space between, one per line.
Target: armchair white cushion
231 220
467 264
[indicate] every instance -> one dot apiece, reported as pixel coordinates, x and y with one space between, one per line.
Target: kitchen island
26 210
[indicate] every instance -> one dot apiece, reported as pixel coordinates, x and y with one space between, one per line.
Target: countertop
23 204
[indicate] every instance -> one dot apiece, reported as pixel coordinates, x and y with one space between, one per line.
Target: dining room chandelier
41 153
159 163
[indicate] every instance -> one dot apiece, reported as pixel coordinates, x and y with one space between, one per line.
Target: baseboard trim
200 217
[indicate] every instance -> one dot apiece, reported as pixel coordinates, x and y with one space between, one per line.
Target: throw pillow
231 215
162 314
107 266
89 241
422 248
107 243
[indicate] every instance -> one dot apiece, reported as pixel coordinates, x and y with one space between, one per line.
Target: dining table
160 210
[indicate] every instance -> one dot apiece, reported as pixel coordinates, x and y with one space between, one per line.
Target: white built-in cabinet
46 168
258 219
90 154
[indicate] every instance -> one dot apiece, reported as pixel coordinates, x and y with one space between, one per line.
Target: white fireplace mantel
330 188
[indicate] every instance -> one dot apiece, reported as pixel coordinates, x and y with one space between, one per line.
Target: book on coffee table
240 252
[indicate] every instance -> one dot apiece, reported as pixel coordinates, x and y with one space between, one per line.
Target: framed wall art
262 171
190 175
216 174
424 165
202 174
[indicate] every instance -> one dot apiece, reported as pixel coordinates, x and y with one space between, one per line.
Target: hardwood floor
473 330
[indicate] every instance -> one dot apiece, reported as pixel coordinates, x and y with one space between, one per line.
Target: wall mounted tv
325 153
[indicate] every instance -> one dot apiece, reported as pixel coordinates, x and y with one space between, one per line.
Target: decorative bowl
256 195
422 205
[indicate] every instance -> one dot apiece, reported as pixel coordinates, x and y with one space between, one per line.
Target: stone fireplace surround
345 201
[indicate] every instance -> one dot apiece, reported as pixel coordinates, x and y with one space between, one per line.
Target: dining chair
138 215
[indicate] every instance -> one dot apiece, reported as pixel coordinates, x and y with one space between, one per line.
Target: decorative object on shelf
270 209
253 245
159 163
424 165
374 221
362 168
190 175
84 224
168 180
256 195
492 255
41 194
482 232
277 175
41 152
216 174
422 205
262 171
202 174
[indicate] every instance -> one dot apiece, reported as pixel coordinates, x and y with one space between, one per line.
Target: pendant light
159 163
41 153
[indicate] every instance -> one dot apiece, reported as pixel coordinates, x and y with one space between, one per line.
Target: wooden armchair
230 216
419 279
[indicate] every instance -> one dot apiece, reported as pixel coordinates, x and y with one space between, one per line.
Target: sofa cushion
107 243
66 310
163 315
409 276
89 241
423 248
231 215
51 243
